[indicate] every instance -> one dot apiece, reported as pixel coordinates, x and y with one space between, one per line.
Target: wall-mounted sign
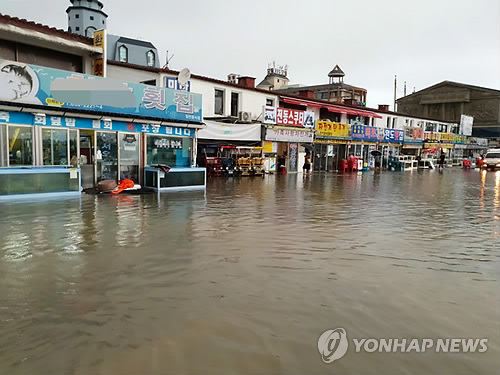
466 123
289 117
289 135
173 84
394 135
332 129
69 90
414 134
269 115
309 120
25 118
100 63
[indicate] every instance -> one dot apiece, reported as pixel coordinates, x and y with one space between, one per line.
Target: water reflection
245 278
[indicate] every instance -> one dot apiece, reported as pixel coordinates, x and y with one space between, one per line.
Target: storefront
413 141
293 130
134 127
475 147
292 145
330 145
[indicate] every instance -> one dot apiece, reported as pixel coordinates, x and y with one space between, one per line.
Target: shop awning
332 108
351 111
302 102
230 132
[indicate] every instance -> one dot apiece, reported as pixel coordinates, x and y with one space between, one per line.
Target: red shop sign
290 117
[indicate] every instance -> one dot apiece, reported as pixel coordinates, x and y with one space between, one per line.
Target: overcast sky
422 42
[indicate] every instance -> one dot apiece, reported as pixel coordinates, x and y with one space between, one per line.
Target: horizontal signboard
21 118
332 129
289 135
31 84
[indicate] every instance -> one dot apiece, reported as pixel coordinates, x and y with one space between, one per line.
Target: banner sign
293 117
62 89
431 136
64 122
332 129
460 139
477 141
173 84
100 63
286 135
414 134
447 137
366 133
466 123
394 135
269 115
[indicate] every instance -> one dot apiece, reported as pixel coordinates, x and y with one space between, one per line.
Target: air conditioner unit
245 117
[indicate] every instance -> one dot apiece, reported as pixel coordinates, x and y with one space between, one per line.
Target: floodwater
246 278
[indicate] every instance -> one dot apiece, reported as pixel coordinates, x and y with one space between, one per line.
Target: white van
492 159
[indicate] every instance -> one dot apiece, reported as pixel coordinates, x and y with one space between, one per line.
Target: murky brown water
246 278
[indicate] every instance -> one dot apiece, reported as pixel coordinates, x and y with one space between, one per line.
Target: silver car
492 159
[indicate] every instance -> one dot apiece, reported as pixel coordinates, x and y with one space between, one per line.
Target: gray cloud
423 42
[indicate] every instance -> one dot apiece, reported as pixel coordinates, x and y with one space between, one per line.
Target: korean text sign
47 86
332 129
289 117
367 133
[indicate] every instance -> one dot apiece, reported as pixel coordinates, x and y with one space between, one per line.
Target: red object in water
352 164
343 165
125 184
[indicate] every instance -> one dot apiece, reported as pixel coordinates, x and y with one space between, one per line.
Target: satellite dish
184 76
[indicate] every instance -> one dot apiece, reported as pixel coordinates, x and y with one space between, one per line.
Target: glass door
86 158
129 156
106 156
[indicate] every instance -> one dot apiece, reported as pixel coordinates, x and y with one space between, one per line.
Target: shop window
3 145
90 31
55 146
219 102
151 60
20 145
123 53
235 99
171 151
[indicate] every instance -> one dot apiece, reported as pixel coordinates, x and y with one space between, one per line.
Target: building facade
63 130
447 101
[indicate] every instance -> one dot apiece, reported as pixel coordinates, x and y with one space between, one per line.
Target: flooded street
246 278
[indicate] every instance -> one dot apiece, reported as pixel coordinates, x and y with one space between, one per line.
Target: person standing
307 164
442 158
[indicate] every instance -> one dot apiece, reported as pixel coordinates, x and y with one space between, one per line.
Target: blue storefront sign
374 134
394 136
173 83
22 118
30 84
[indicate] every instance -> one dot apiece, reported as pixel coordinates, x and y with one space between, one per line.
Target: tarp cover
230 132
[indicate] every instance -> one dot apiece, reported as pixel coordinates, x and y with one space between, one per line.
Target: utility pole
405 89
395 88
